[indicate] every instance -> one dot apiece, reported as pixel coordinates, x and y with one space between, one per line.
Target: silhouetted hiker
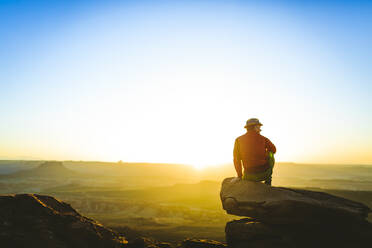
255 153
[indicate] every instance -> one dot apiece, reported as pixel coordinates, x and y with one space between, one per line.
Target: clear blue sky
174 81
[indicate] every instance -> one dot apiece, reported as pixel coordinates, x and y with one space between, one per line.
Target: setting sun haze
175 81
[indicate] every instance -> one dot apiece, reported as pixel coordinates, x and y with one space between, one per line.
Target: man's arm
270 146
237 159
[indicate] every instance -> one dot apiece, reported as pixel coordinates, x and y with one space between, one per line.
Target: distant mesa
50 169
51 165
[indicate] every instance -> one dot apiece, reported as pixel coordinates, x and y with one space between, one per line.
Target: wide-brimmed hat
252 122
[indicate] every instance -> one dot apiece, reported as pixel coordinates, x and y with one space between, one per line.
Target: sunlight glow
145 82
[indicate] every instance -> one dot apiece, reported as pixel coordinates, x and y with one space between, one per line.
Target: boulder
254 234
142 242
30 220
284 217
202 243
284 205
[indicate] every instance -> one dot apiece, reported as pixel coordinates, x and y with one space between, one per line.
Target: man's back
252 148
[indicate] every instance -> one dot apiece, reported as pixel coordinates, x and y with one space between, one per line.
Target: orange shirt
250 150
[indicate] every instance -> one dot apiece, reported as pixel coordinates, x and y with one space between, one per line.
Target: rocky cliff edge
284 217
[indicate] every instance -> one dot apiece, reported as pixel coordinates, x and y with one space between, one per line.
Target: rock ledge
284 217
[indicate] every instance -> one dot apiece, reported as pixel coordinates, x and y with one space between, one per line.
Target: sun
199 166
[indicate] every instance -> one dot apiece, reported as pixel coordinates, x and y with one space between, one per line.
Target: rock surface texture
30 220
201 243
283 217
281 205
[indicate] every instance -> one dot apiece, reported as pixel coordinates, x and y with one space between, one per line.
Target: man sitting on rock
255 153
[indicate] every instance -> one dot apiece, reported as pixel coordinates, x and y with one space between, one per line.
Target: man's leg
263 176
268 181
271 161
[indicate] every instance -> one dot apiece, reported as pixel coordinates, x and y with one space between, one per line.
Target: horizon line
185 164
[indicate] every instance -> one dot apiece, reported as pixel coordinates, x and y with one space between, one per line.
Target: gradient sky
175 81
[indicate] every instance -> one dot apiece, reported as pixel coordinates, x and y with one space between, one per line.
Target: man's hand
236 179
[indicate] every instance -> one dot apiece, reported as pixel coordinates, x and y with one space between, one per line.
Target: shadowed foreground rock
250 233
283 217
142 242
202 243
30 220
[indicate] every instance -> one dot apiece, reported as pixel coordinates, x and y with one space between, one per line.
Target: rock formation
49 169
283 217
30 220
278 204
202 243
141 242
275 217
